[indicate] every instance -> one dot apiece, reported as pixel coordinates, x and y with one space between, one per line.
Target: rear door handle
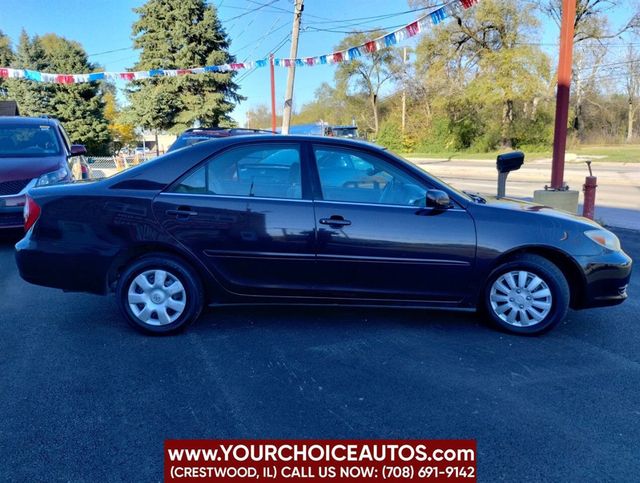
181 212
335 220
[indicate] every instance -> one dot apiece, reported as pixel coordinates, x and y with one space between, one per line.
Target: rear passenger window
269 171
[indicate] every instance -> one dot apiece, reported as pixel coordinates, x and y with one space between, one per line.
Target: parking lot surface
85 398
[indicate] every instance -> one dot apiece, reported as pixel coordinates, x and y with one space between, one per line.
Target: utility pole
404 88
288 98
273 94
565 64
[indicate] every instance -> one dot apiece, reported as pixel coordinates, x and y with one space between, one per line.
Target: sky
103 27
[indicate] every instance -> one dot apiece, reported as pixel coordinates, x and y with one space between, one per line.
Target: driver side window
358 177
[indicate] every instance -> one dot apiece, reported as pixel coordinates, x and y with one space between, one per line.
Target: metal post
589 189
404 89
288 98
565 63
273 94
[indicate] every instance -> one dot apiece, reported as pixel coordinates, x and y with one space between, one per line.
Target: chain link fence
105 166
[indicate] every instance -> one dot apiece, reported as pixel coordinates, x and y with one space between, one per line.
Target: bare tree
590 22
632 85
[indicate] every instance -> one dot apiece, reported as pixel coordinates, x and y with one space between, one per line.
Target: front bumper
607 278
11 208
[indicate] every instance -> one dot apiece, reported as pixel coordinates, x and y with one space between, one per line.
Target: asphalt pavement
85 398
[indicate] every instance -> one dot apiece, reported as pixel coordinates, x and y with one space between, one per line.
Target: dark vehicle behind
33 152
197 135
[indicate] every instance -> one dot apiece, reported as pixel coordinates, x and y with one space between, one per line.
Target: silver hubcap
521 298
156 297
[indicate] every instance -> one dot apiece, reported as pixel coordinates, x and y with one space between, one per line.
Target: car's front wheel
527 295
159 294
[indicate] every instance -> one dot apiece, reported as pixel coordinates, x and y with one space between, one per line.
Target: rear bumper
11 208
607 279
54 266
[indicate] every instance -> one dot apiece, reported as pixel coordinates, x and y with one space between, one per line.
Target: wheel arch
130 254
569 267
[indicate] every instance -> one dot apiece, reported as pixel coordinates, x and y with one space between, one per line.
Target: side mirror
438 199
78 149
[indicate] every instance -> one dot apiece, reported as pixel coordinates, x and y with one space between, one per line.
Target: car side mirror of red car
78 149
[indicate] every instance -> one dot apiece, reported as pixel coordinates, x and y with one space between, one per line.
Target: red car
34 151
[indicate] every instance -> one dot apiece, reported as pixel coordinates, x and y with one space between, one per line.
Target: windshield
345 132
20 141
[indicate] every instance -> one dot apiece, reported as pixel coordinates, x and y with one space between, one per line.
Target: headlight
604 239
53 177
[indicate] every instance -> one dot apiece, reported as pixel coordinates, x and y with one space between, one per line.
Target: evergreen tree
6 57
6 52
33 99
80 107
180 34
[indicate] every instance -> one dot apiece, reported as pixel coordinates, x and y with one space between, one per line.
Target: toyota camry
312 220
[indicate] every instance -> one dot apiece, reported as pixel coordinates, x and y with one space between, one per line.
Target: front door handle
335 220
182 212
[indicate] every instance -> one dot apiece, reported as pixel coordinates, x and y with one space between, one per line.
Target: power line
273 51
378 17
110 51
259 7
315 29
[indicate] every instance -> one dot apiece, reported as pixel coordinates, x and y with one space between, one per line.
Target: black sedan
308 220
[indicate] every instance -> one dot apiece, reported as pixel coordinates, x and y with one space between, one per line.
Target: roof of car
221 130
32 121
290 137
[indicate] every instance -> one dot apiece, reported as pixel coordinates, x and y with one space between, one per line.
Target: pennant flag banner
435 17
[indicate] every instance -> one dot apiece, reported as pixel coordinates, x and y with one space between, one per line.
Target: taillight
31 213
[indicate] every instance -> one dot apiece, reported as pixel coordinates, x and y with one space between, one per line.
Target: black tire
550 274
192 294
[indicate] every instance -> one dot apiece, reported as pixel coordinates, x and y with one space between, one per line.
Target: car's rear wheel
526 295
159 294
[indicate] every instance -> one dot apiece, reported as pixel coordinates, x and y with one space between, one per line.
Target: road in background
86 398
617 198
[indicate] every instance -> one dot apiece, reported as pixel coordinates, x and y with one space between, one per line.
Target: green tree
6 57
482 71
33 99
180 34
80 107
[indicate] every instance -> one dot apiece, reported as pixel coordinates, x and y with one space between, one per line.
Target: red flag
468 3
412 29
371 46
4 72
337 57
64 79
126 75
309 60
183 71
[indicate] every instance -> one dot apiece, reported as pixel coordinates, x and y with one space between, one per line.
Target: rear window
22 141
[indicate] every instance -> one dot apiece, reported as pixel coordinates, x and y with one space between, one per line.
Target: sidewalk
617 198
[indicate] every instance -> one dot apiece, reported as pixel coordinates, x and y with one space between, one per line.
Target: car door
246 213
376 237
